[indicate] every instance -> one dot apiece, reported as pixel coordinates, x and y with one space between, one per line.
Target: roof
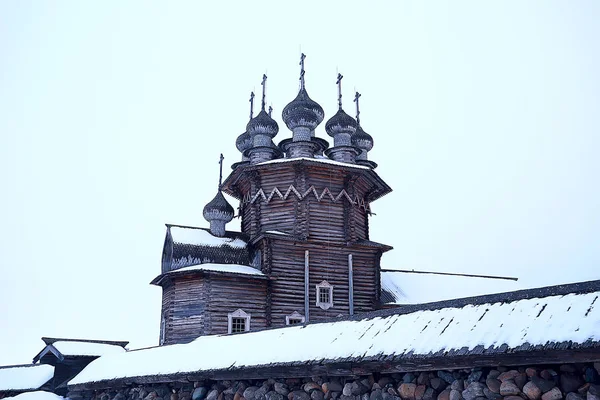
37 395
25 377
419 288
62 348
233 269
186 246
514 324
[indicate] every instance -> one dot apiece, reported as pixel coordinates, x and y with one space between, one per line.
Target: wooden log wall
327 261
184 300
226 294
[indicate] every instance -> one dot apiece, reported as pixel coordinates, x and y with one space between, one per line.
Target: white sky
485 118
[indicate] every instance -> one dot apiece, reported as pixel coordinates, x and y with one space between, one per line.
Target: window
324 295
163 327
294 318
238 321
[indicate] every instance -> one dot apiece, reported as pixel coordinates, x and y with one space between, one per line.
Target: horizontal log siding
227 294
327 262
186 309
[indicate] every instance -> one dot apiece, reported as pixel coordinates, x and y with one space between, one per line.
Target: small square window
238 321
294 318
324 295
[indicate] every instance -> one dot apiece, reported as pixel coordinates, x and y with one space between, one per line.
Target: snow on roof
502 325
201 237
318 160
231 268
25 377
414 288
76 348
37 395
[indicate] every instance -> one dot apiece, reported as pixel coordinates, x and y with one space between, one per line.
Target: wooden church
303 253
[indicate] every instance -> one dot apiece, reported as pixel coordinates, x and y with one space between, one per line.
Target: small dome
362 139
218 209
303 112
340 123
243 142
262 124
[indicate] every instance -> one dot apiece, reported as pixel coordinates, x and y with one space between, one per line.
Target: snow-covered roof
37 395
201 237
25 377
186 246
89 349
559 317
317 160
418 288
225 268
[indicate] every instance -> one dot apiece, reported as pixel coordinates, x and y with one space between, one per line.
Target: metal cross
221 171
339 83
302 57
251 104
264 90
270 110
356 97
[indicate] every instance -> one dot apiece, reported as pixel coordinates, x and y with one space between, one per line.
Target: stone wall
568 381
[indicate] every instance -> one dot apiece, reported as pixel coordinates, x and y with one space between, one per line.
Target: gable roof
186 246
25 377
62 348
514 325
400 287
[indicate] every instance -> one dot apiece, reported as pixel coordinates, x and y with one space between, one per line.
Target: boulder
446 376
407 391
358 388
444 395
493 384
548 374
298 395
317 395
458 384
474 376
376 394
554 394
531 372
570 382
249 392
508 375
212 395
310 386
532 391
420 392
423 378
455 395
437 384
282 388
473 391
509 388
272 395
493 374
491 395
429 394
574 396
545 385
347 390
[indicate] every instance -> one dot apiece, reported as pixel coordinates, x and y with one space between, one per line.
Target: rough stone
385 380
455 395
554 394
570 368
444 395
392 391
310 386
429 394
590 375
238 396
474 376
493 374
358 389
298 395
458 384
332 386
317 395
473 391
592 396
437 384
272 395
532 391
548 374
513 398
521 380
545 385
509 388
249 392
376 394
584 389
420 392
491 395
212 395
574 396
493 384
508 375
594 390
570 382
408 378
446 376
531 372
423 378
282 388
150 396
407 391
387 396
347 390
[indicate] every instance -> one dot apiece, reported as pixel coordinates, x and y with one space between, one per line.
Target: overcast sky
485 116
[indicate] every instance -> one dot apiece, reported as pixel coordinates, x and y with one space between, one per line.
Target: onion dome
340 123
362 139
303 112
262 124
218 210
243 142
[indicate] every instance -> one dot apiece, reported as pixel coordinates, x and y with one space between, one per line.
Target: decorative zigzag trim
311 190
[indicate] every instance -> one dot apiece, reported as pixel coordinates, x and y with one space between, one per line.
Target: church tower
304 240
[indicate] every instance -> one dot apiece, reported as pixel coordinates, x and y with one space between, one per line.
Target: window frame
239 313
324 285
294 316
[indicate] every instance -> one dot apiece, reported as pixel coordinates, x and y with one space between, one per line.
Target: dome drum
302 134
261 154
345 154
218 212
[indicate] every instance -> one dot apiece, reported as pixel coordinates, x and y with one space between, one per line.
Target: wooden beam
350 285
306 288
451 274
